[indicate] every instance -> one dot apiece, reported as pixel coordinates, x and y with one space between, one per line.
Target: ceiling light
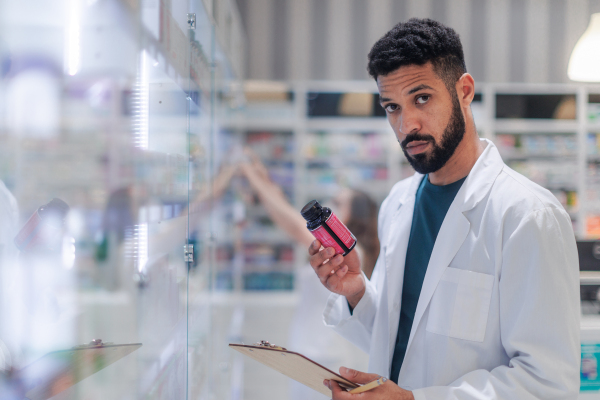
584 64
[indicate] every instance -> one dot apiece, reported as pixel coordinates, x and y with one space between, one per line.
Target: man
475 294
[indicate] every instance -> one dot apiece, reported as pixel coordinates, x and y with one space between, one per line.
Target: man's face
427 119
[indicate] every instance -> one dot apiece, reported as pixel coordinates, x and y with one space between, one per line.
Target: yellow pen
369 386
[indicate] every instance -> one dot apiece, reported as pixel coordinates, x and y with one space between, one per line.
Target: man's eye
422 99
391 107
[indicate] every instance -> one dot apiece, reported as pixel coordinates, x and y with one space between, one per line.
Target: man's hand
388 391
341 275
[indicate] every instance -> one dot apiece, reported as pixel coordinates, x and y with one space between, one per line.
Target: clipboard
59 370
294 365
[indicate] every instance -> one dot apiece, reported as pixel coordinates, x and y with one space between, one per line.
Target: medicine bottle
327 228
44 229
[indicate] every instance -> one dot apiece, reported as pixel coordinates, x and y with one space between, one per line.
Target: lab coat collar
478 182
453 231
412 190
482 176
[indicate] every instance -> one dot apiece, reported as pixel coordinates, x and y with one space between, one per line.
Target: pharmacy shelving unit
548 133
333 134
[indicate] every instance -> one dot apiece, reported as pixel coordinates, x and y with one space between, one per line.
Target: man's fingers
329 267
337 393
357 376
342 271
318 259
332 282
330 263
329 270
314 248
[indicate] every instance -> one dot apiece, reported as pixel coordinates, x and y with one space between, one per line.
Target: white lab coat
498 315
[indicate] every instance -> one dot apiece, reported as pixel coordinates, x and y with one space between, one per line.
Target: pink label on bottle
326 240
339 229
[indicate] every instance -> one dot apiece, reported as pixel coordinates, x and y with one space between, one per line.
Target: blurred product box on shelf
341 158
282 175
271 145
568 199
527 145
592 226
268 255
276 151
344 105
264 100
547 159
551 174
269 281
593 112
593 144
224 252
322 181
590 355
593 178
349 145
590 352
535 106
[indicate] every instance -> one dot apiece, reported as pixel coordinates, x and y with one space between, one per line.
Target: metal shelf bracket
191 20
188 253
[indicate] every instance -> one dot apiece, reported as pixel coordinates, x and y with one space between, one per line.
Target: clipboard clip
95 343
265 343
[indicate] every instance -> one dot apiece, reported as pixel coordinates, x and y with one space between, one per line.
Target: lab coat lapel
395 256
455 227
451 236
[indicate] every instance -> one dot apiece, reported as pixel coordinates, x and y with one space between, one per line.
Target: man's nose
409 123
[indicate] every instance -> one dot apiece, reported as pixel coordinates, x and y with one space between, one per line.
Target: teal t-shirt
431 205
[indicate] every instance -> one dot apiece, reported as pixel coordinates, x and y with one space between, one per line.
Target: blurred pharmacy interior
149 149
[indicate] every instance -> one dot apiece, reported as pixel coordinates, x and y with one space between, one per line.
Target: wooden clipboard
295 366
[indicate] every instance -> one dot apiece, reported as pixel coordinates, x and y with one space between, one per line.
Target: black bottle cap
312 210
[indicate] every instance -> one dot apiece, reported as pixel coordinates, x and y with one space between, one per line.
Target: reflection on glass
107 129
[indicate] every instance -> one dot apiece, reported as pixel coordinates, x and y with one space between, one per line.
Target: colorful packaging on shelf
590 381
593 112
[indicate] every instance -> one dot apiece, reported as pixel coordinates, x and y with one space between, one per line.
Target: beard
426 163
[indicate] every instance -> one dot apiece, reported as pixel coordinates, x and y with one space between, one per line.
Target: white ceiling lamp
584 64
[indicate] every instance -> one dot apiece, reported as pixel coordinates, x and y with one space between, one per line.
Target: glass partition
107 211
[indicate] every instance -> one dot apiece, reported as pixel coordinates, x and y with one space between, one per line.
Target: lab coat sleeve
539 317
357 328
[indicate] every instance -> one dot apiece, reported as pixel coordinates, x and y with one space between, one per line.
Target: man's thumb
357 376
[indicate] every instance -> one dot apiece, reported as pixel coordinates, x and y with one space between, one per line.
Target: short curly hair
417 42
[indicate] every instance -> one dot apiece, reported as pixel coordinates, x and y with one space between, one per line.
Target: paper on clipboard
295 366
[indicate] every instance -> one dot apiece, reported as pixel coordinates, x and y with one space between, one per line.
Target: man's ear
465 89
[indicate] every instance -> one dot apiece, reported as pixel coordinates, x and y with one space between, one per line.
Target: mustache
411 137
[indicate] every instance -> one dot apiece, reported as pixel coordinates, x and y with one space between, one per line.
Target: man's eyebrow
420 87
411 91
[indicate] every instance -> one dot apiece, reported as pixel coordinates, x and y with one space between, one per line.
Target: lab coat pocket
460 304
